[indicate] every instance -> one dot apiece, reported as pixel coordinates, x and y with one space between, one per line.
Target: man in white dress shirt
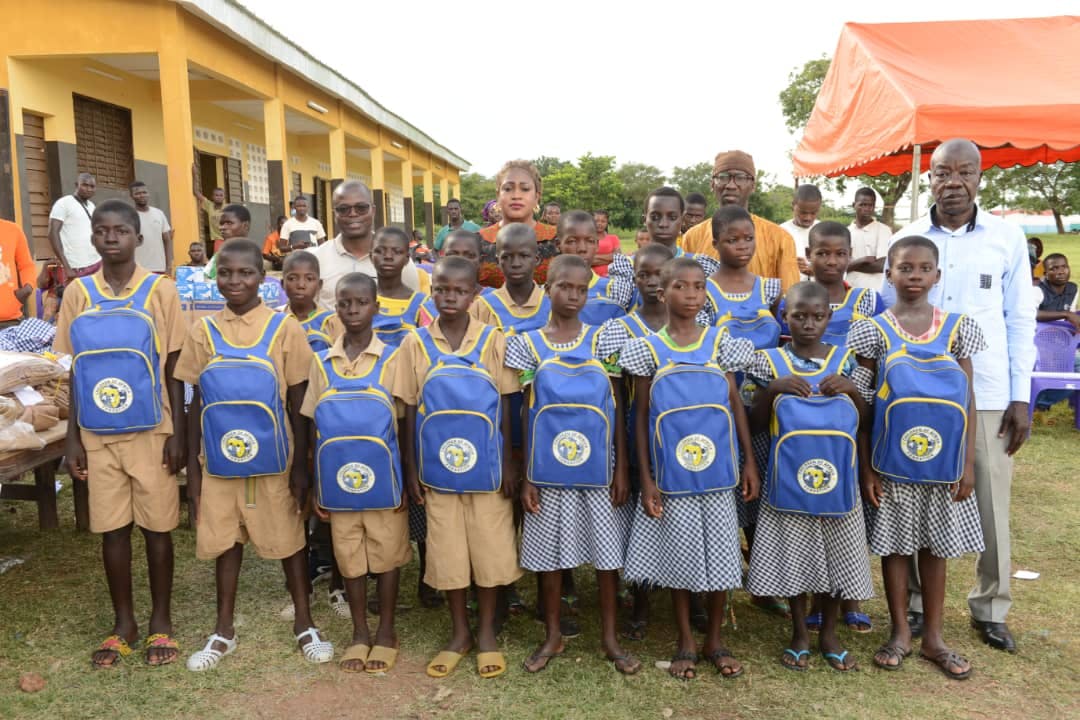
804 215
984 273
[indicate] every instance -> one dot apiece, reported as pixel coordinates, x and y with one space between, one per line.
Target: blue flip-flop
833 659
798 655
854 619
813 622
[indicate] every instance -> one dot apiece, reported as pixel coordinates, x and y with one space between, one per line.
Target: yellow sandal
114 644
354 652
386 655
446 659
490 659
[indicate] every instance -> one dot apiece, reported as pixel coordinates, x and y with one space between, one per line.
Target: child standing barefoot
575 504
920 474
810 535
685 532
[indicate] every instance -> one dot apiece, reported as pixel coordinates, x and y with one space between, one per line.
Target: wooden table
13 465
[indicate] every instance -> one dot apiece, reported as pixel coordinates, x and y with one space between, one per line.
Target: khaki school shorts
370 541
127 483
470 537
259 510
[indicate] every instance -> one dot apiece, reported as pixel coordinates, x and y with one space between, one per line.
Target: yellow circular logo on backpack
818 476
695 452
921 443
112 395
355 478
571 448
239 446
458 455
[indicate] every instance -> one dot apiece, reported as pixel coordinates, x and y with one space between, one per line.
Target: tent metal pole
916 162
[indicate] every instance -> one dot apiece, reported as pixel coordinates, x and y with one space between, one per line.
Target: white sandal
339 604
209 657
318 650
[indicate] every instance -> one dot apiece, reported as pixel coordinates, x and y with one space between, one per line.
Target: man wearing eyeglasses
733 183
985 273
350 251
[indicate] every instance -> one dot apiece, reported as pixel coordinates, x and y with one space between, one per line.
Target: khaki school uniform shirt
413 364
484 314
169 323
290 352
352 368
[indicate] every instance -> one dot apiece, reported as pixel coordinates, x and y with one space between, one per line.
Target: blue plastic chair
1055 365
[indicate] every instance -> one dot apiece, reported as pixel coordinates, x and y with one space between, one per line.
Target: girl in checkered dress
685 535
576 490
802 545
933 517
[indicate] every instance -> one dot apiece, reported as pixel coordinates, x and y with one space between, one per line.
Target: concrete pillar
277 156
338 170
177 131
407 192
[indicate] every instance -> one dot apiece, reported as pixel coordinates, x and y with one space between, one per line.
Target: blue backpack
317 337
243 416
921 407
843 316
392 329
357 464
513 322
693 430
117 360
749 318
599 305
458 436
812 460
571 415
636 328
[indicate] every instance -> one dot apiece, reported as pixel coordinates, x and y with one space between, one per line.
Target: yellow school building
140 89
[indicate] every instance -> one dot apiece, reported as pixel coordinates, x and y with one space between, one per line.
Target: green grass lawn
54 609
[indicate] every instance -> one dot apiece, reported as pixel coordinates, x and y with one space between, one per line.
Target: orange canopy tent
895 90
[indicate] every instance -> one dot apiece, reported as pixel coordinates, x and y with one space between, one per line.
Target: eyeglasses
358 209
724 178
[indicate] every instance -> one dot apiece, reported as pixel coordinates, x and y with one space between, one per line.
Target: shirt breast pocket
981 285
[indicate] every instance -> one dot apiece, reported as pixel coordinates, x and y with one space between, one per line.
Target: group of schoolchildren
633 423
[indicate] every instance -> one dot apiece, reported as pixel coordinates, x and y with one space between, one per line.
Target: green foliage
590 185
798 98
638 181
1054 187
476 191
695 178
548 165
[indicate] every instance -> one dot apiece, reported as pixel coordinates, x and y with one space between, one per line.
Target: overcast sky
669 84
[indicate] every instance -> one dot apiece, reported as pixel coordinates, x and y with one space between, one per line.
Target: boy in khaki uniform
265 510
469 535
368 541
132 475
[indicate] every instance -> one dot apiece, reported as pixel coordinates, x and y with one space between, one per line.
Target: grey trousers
991 598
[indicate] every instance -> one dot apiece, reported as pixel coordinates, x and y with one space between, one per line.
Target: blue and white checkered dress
793 554
915 516
694 545
574 526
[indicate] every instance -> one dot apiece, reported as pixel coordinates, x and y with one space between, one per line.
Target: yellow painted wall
45 87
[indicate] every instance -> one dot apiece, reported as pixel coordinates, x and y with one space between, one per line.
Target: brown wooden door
37 184
103 142
234 181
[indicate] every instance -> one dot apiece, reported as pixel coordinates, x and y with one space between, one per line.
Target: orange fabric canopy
1012 86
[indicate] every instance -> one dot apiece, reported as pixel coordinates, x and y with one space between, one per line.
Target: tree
797 103
1054 187
638 181
476 191
547 165
694 178
590 185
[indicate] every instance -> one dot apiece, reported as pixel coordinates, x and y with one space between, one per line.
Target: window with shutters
103 142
